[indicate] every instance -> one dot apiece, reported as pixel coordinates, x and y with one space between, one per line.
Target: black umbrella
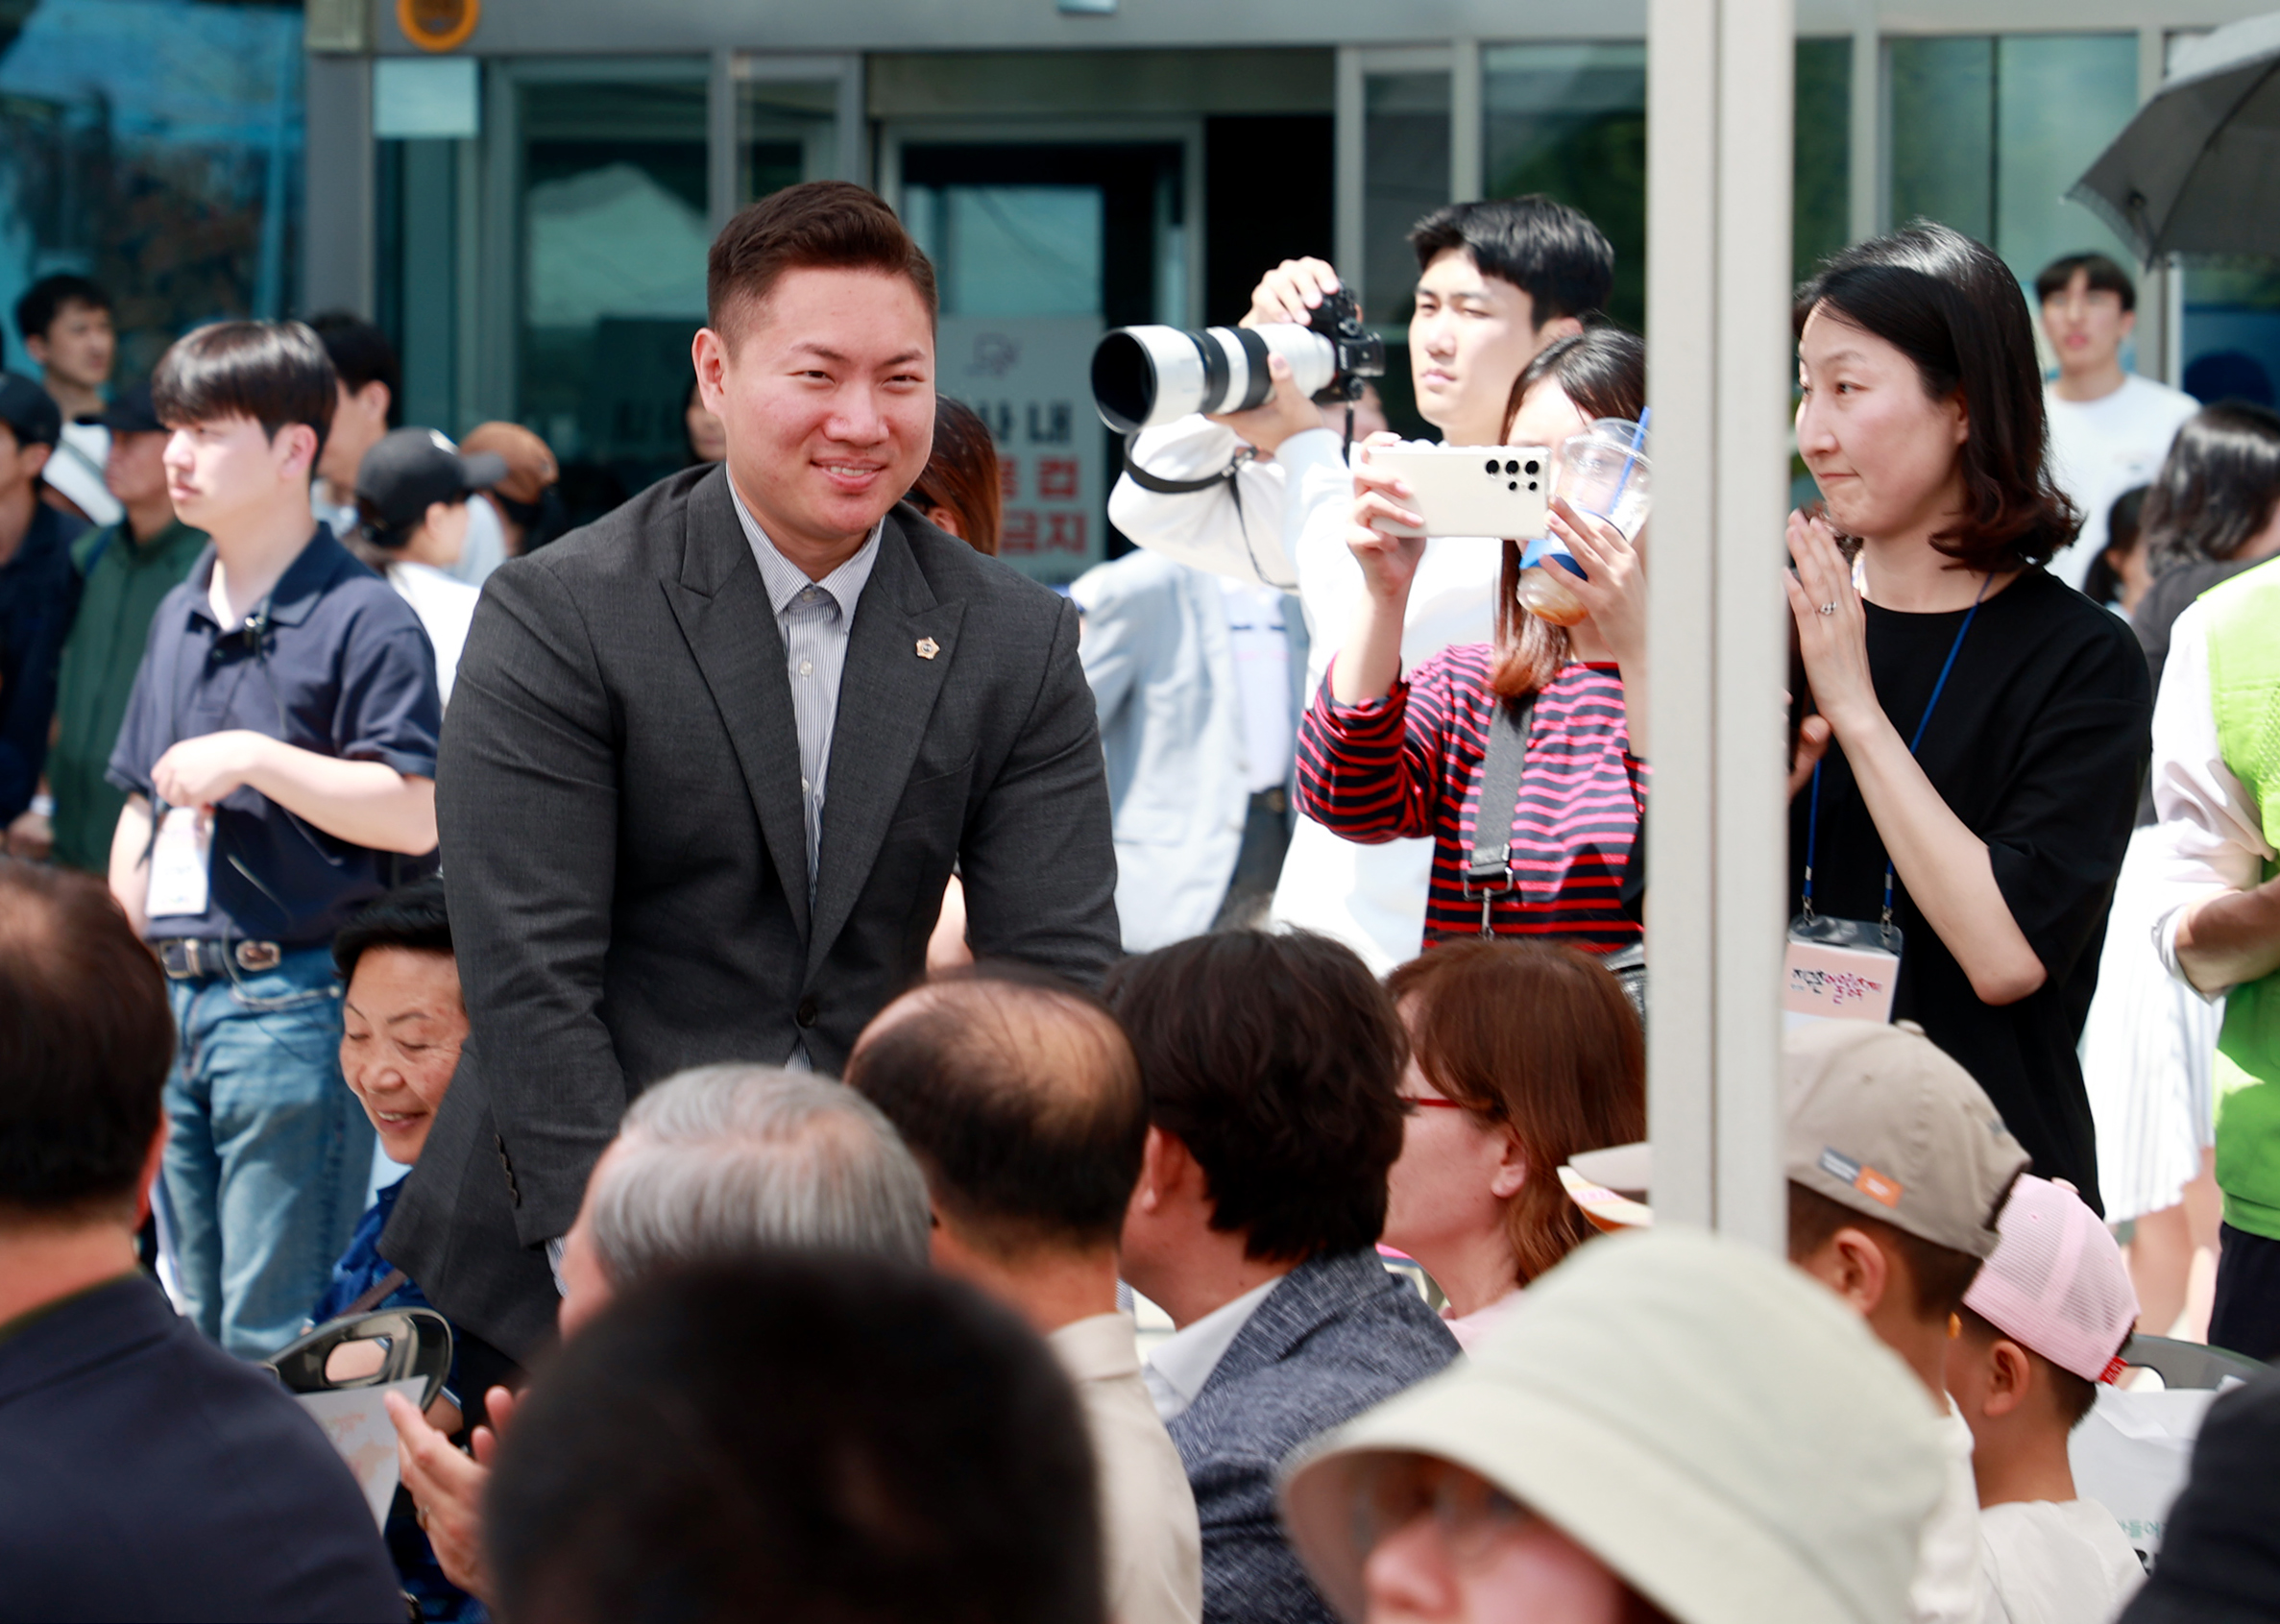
2198 169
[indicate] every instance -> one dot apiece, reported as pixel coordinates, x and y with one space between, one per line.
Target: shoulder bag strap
374 1294
1488 865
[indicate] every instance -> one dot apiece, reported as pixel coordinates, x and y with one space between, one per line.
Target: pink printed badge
1822 981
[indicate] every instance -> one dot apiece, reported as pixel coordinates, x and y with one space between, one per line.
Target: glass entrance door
1041 246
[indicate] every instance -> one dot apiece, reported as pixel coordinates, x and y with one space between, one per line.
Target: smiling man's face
826 388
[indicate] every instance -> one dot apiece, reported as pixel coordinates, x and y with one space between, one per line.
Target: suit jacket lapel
724 612
887 698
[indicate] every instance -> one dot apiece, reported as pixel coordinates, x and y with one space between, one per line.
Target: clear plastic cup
1602 470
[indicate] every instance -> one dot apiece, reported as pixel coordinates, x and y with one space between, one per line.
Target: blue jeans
267 1151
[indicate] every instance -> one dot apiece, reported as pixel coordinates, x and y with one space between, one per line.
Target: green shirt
124 584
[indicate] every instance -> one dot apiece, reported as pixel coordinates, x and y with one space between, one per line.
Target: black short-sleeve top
2038 744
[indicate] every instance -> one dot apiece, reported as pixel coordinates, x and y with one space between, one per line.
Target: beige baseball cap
530 465
1715 1427
1882 1121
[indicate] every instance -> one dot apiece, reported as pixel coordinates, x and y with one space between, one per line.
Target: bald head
1020 1097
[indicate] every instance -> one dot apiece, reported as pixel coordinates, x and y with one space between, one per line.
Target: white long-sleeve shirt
2211 835
1290 531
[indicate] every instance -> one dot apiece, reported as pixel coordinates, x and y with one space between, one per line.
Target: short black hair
2074 1396
1955 309
1020 1096
44 299
2216 490
799 1437
1550 251
2101 582
274 373
2104 277
361 354
86 1039
410 916
1277 1060
1942 1274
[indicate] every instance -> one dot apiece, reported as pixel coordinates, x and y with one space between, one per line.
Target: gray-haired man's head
723 1161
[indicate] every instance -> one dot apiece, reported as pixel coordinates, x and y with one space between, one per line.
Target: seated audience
144 1473
413 492
2220 1550
2043 1324
1272 1066
1021 1099
402 1026
1520 1055
718 1162
798 1438
1898 1165
1669 1427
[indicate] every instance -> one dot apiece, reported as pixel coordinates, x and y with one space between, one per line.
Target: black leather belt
187 958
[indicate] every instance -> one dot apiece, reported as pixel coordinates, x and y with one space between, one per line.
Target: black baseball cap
30 411
129 412
411 468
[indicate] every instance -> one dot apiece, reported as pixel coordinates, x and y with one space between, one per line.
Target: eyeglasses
1471 1514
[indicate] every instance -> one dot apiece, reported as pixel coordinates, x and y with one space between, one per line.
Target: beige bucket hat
1716 1428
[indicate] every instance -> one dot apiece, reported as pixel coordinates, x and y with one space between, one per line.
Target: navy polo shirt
340 667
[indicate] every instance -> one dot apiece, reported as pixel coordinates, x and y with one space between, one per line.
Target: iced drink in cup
1602 470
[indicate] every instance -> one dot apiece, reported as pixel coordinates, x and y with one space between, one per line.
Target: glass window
615 231
418 287
155 147
1822 203
787 131
1570 121
1405 174
1988 133
1011 251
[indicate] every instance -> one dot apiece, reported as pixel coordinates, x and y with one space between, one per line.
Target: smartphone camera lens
1512 468
1512 484
1533 467
1491 465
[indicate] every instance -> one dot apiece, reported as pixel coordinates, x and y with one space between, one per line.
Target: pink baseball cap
2057 1284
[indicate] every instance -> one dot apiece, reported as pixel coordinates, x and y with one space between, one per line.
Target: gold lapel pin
928 648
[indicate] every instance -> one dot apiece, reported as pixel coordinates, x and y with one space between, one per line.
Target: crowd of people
784 988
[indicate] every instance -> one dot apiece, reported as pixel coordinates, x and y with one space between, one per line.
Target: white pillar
1720 96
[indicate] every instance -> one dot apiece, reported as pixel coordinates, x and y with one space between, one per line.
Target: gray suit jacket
1339 1335
626 860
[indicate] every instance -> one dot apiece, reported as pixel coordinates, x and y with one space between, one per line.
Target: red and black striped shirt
1409 765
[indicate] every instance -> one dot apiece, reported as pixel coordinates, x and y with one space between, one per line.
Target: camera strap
1227 476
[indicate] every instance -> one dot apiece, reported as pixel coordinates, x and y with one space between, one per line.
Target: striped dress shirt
814 619
1410 764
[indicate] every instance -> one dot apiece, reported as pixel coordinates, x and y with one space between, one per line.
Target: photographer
1389 753
1497 283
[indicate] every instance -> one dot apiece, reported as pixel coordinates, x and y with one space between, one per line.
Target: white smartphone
1472 489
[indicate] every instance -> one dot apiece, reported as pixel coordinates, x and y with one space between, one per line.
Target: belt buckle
258 955
179 959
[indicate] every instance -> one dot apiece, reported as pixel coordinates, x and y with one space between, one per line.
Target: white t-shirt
1951 1584
1262 651
445 607
2058 1561
2100 449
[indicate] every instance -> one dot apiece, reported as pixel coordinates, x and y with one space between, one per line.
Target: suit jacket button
805 1014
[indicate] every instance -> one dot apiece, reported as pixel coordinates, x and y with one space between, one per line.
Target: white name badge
179 859
1840 970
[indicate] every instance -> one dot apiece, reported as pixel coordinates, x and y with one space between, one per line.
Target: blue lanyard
1813 821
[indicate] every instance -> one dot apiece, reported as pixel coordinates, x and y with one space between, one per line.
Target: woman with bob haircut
1521 1055
1983 727
1385 756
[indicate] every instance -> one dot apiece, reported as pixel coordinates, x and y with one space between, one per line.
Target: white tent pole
1720 93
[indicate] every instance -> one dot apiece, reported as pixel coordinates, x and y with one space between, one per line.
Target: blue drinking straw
1638 437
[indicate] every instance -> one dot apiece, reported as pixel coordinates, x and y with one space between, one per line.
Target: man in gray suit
712 760
1272 1066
